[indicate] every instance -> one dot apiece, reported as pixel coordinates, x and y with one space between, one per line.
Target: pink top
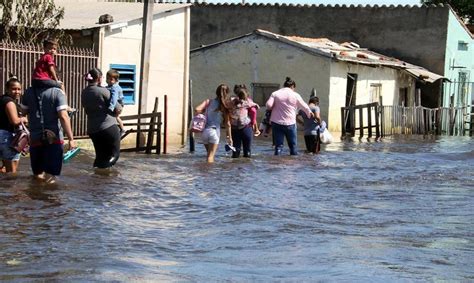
284 104
240 112
41 71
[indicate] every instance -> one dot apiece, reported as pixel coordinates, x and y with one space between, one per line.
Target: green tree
464 8
31 20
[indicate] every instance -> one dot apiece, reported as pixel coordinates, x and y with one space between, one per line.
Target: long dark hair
221 93
289 82
93 75
242 95
239 87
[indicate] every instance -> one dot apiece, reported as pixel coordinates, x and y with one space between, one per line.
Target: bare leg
211 152
256 130
10 166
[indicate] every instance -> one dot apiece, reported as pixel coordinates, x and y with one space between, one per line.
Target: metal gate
72 63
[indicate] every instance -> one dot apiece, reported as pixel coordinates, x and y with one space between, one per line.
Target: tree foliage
464 8
31 20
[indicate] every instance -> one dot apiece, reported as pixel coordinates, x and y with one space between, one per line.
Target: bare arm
201 107
52 71
228 129
303 106
270 101
299 119
317 117
66 124
12 114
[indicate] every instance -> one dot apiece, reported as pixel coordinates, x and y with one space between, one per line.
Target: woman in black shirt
9 119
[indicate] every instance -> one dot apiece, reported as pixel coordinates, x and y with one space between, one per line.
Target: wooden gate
72 63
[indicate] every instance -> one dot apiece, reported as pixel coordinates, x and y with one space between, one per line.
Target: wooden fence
151 129
390 120
361 118
421 120
72 63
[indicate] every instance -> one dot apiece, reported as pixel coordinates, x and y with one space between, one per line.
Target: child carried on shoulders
44 74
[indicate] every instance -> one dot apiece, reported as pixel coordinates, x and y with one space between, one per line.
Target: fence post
190 117
151 128
158 135
377 124
369 119
165 130
343 123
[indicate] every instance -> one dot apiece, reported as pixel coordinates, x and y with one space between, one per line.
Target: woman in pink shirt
284 104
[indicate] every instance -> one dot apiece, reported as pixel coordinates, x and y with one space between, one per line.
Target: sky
325 2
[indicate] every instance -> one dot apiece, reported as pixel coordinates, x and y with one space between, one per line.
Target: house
118 45
341 74
433 36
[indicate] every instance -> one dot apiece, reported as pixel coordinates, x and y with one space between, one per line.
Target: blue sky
326 2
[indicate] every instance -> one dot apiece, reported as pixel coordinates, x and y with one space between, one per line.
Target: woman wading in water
9 120
216 113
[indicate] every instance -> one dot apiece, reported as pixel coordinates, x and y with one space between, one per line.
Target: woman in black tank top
9 120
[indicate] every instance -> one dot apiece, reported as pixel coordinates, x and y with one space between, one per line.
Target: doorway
351 91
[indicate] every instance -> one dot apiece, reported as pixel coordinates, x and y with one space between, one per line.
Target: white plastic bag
325 137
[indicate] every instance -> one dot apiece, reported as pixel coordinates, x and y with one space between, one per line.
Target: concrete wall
256 59
414 34
390 81
168 70
459 58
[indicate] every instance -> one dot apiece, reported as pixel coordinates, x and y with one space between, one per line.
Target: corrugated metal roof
353 53
348 52
80 15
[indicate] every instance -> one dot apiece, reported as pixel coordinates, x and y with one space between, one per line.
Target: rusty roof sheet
351 52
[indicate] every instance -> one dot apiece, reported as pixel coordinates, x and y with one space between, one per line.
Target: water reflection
360 211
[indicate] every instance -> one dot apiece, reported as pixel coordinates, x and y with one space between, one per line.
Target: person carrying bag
10 119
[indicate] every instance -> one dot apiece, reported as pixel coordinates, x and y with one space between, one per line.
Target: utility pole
144 61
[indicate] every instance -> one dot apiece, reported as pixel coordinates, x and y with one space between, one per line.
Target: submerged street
400 209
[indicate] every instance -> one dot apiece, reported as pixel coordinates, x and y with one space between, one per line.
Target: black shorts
47 158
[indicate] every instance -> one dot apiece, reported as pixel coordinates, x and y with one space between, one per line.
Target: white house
119 44
341 74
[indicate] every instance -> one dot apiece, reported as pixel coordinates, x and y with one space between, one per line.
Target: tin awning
424 75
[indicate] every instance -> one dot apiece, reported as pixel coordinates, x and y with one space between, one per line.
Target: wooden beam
144 61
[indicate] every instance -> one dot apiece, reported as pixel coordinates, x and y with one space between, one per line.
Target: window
403 96
262 91
126 81
462 45
375 92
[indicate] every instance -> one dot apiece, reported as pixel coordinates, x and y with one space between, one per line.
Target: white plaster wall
168 65
256 59
391 81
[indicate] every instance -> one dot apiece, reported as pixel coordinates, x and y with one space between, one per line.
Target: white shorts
211 136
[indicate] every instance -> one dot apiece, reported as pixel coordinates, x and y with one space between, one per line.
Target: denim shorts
6 152
211 135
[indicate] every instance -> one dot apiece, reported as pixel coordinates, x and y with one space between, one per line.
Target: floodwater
396 210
